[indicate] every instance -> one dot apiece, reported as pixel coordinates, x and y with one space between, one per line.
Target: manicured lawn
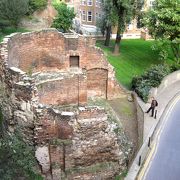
135 57
1 37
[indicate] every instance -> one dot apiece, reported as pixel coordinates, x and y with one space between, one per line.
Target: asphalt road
165 164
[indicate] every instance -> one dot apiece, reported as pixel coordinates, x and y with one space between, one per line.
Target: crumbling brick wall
46 50
34 77
97 82
50 51
70 89
76 143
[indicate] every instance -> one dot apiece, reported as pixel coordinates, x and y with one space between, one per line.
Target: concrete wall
166 82
140 117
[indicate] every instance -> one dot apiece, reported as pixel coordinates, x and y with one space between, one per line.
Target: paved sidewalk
163 99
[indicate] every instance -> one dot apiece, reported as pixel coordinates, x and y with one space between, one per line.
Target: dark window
74 61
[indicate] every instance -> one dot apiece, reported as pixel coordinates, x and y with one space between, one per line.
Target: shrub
17 159
151 78
175 67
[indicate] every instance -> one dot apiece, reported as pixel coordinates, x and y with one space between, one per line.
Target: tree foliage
37 5
63 20
163 23
13 10
126 11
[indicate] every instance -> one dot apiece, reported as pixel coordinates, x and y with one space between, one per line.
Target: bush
36 5
151 78
175 67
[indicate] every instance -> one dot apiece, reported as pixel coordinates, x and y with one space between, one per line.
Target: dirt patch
126 112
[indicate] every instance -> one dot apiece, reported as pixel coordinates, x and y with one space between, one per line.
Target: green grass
135 57
122 176
8 30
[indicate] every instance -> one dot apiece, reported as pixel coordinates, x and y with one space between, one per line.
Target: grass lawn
10 30
135 57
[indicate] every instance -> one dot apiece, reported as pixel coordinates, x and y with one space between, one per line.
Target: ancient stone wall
79 143
17 96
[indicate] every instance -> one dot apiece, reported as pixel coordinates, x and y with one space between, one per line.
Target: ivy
17 159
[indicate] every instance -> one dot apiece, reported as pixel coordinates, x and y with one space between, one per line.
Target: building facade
89 11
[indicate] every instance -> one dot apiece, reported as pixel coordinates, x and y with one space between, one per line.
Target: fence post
139 163
155 114
149 142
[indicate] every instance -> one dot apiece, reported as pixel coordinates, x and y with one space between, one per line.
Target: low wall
167 81
140 108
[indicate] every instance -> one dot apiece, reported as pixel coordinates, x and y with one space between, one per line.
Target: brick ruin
46 78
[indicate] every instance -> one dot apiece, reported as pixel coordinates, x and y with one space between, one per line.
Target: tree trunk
108 36
117 42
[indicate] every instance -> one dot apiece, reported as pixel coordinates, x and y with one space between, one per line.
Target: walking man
154 103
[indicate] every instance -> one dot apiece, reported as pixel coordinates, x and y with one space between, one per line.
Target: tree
13 10
163 22
109 19
63 20
126 11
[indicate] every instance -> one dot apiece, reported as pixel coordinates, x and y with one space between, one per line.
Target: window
97 3
74 61
97 16
130 26
84 15
89 2
83 2
151 3
89 16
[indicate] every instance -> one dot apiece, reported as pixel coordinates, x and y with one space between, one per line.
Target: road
165 162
